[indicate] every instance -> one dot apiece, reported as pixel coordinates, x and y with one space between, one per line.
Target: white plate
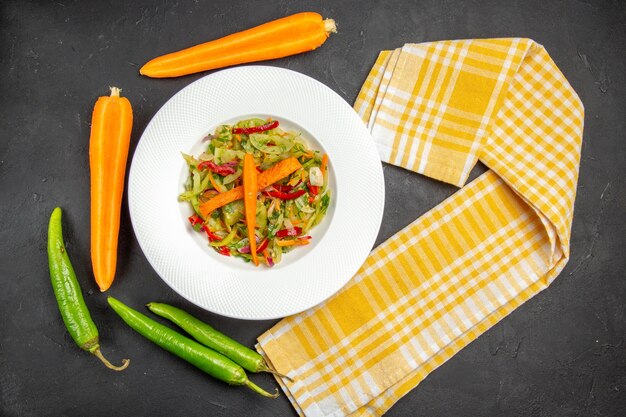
226 285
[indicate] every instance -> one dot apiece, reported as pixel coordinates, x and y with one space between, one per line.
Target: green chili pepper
69 296
208 336
203 358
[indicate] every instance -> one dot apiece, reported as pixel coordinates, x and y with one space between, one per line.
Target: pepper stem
260 390
108 364
265 368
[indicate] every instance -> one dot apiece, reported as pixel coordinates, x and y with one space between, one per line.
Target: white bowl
226 285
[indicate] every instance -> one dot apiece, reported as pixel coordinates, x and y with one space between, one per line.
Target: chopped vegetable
195 220
295 242
324 165
298 33
313 191
278 171
295 231
232 212
271 144
214 183
268 177
316 177
282 188
286 196
255 129
212 236
226 241
222 170
249 200
263 245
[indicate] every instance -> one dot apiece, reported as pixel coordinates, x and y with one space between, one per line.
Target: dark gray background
560 354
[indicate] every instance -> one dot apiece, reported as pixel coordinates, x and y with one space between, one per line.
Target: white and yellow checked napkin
424 294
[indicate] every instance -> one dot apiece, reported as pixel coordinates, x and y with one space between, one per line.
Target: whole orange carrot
289 35
111 125
249 201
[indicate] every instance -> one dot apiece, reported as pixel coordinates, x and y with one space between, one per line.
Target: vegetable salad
286 210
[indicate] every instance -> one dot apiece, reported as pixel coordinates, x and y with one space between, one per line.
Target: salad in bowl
290 192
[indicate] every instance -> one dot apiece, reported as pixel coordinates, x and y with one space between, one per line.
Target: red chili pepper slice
212 236
263 245
195 219
255 129
222 170
223 250
289 232
285 196
283 188
313 191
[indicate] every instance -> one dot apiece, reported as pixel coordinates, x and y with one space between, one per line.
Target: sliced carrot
266 254
294 221
109 141
295 242
301 32
324 164
221 200
214 184
268 177
278 171
249 199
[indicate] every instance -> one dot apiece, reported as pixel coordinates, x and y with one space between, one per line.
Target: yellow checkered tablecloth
436 108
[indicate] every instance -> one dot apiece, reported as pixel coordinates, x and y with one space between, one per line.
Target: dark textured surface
560 354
